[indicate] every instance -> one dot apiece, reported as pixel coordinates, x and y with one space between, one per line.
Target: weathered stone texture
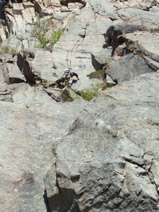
60 156
107 167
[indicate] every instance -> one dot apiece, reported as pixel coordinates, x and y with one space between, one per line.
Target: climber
68 75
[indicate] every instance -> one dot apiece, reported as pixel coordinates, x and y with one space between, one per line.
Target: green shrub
39 31
43 41
8 50
41 27
55 36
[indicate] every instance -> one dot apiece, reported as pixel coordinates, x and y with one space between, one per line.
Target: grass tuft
8 50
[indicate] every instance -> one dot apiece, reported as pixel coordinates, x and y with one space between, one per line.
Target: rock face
26 145
108 160
59 152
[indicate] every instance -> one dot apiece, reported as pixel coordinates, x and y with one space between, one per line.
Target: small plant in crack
54 149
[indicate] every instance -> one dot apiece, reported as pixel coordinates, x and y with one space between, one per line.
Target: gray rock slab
6 57
43 64
144 42
76 55
101 58
104 168
13 42
106 155
11 73
104 8
27 136
134 12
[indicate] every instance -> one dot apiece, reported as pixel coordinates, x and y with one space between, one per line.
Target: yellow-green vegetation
97 74
54 149
1 40
40 29
155 30
89 94
8 50
55 36
41 26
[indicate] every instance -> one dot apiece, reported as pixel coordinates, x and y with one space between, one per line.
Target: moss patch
97 74
1 40
155 30
89 94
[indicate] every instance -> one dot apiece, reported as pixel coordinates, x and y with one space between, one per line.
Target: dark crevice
46 201
52 96
57 184
82 36
2 4
64 201
66 2
130 160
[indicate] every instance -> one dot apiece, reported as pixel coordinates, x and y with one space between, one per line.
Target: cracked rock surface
58 152
108 160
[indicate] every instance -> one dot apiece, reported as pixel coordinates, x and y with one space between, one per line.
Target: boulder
100 59
114 34
130 66
12 73
130 41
